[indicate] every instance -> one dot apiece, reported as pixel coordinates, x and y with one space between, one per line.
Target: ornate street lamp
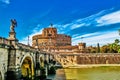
28 41
81 39
49 35
36 44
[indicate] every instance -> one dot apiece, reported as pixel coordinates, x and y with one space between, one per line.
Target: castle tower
51 40
51 31
82 47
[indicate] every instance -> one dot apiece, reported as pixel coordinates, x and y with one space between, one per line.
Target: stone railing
4 41
25 47
29 48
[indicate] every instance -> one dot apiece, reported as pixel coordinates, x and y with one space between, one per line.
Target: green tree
104 49
111 48
116 41
98 48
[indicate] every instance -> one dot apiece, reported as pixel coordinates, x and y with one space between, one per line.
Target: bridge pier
46 63
13 72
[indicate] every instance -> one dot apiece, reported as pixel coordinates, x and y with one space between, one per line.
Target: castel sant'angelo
50 40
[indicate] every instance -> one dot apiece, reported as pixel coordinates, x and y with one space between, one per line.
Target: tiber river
95 73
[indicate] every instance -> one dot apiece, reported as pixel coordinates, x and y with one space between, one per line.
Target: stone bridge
18 59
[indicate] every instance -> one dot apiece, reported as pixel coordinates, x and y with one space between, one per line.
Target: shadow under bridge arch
1 76
27 67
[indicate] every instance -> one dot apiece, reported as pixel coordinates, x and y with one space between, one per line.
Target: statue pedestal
12 38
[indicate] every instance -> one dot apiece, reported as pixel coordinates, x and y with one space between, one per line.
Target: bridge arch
41 60
27 66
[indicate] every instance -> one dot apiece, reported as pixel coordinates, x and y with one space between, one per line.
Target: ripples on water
96 73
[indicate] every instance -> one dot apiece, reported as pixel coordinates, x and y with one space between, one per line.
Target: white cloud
75 35
5 1
36 28
74 26
60 28
87 21
66 25
84 36
110 18
104 17
104 38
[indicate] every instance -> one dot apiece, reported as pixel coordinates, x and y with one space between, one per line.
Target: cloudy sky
90 21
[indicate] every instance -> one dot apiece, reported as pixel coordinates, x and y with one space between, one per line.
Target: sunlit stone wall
50 39
3 62
102 58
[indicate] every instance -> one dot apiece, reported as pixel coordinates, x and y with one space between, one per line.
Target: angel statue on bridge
13 25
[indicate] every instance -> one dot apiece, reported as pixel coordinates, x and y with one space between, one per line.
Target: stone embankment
111 58
92 65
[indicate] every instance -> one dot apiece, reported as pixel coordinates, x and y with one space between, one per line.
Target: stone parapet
4 40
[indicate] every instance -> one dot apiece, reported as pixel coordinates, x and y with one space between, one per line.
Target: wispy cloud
75 37
74 26
102 18
5 1
108 19
104 38
87 21
37 30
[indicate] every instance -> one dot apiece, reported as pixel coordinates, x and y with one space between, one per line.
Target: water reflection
60 75
96 73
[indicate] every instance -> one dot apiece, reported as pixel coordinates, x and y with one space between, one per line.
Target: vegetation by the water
108 48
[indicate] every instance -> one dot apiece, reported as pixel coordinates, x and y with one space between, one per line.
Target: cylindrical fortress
49 39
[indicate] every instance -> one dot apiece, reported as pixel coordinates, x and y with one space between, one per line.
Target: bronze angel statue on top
13 25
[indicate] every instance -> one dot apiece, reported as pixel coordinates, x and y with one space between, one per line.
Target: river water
95 73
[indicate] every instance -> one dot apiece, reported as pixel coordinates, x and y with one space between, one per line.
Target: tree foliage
111 48
108 48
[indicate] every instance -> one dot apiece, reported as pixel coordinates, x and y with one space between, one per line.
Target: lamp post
36 43
49 35
44 45
82 39
36 57
28 40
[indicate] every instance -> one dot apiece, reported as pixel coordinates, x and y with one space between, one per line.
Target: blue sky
94 20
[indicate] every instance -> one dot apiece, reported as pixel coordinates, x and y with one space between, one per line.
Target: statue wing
15 22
